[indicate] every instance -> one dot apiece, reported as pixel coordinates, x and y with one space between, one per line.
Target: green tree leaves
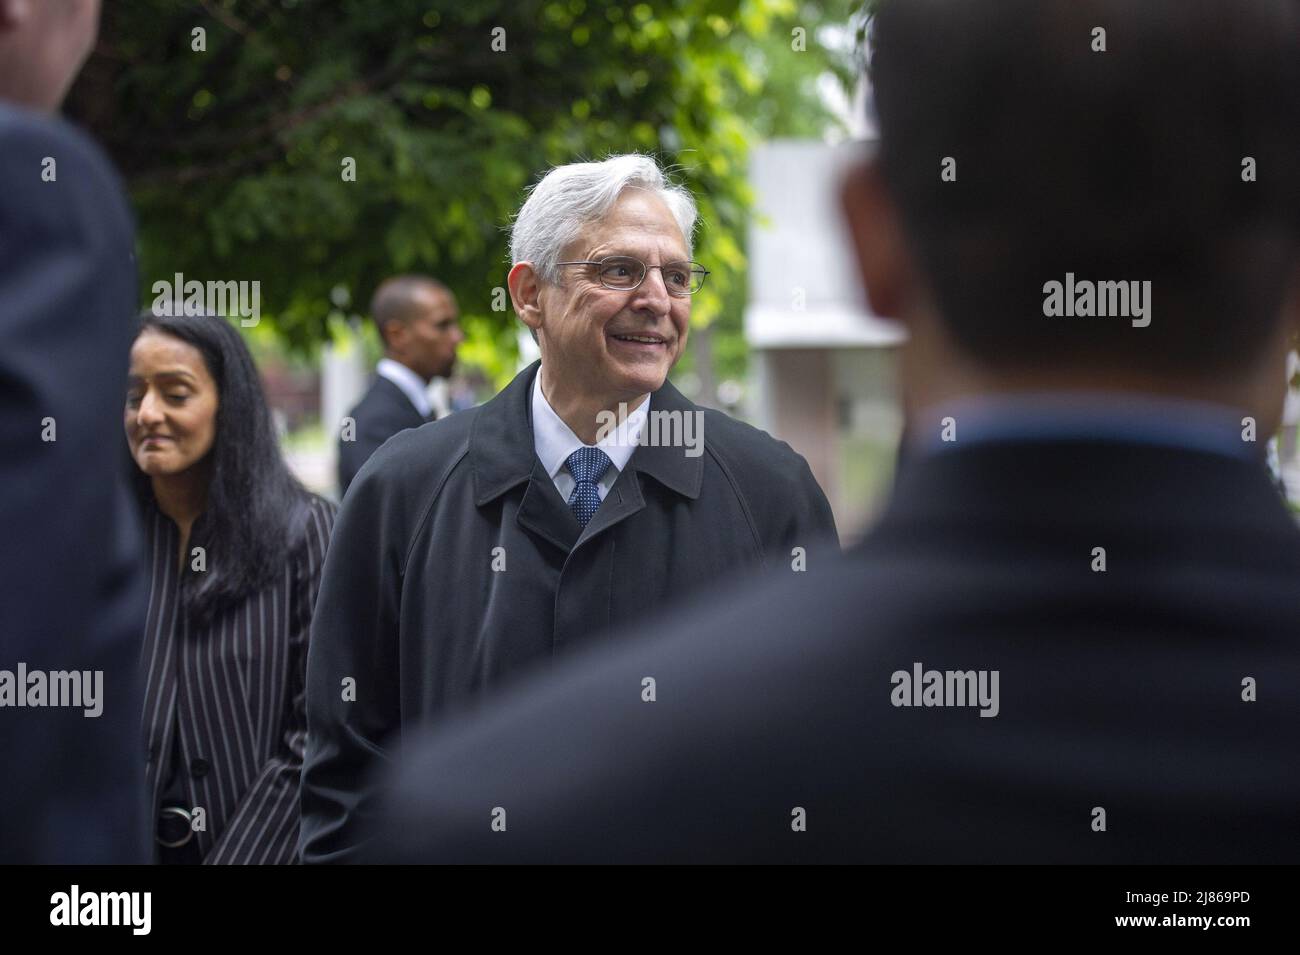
234 155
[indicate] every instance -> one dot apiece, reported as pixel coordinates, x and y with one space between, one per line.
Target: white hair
572 196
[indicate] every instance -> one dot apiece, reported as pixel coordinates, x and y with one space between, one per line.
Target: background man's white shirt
412 385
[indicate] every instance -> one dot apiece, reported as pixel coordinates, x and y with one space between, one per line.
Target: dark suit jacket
412 609
71 560
382 412
234 689
1120 690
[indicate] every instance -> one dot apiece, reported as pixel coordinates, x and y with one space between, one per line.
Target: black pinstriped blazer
237 685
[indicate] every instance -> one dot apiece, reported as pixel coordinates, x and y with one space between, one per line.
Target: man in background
71 561
419 326
1072 636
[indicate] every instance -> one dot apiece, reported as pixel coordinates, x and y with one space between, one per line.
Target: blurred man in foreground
72 616
1072 636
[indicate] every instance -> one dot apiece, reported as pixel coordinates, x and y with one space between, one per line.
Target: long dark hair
254 504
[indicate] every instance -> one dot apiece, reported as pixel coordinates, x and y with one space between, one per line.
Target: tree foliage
234 154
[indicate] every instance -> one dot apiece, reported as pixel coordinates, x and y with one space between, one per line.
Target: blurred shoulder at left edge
70 555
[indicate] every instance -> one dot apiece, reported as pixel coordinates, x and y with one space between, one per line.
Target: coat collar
503 453
410 385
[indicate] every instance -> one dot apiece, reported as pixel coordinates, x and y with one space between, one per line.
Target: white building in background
822 366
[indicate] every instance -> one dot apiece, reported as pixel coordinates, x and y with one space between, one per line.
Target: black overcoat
71 547
779 734
455 565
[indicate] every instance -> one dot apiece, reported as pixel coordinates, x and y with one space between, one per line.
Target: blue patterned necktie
588 466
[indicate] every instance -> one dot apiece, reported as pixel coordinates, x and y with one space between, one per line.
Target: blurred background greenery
233 120
234 154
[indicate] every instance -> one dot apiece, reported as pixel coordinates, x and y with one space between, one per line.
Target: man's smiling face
616 345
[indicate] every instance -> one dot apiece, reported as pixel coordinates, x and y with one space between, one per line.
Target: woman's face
171 405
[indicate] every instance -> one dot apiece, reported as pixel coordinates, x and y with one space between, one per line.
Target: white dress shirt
555 441
412 385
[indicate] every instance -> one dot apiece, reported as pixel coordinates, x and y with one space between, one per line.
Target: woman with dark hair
236 546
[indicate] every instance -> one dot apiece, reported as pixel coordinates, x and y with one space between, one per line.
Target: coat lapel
403 408
670 466
501 441
623 500
542 512
504 455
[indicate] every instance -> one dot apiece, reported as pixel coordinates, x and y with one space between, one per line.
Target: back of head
401 298
1118 140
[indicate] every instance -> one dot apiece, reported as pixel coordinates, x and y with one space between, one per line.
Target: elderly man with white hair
585 497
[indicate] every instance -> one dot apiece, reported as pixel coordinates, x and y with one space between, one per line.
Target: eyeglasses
624 273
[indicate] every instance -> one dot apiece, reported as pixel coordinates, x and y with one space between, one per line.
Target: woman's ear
395 336
525 293
879 249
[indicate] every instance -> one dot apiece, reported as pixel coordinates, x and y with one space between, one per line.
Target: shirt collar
555 440
411 384
503 452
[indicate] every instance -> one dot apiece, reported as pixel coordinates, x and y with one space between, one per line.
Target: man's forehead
638 244
436 298
637 219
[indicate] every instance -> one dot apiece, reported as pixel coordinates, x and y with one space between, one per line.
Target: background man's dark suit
382 412
1119 690
455 566
71 557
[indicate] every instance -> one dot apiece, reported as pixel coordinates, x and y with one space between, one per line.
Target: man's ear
879 248
525 293
14 12
396 335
